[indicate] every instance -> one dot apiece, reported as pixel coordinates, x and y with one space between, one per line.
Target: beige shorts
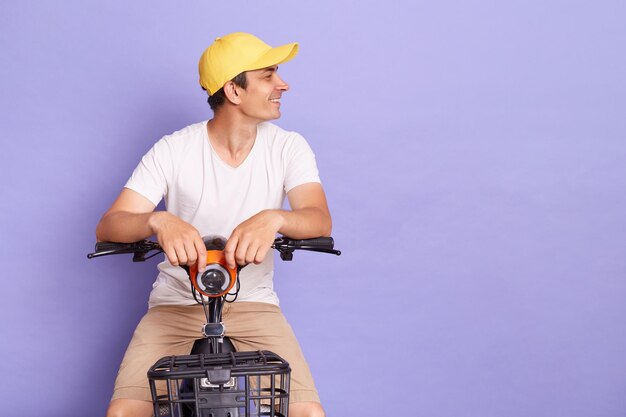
172 330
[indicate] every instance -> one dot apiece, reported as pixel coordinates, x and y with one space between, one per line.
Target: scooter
214 380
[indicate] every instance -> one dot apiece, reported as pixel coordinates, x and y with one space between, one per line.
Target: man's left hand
252 239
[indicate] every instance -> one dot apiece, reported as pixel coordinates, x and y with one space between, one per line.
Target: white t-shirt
214 197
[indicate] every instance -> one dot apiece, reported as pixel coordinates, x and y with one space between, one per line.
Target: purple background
473 154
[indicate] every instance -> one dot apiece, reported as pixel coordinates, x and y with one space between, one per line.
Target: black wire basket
236 384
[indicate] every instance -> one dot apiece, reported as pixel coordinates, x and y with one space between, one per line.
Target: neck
231 136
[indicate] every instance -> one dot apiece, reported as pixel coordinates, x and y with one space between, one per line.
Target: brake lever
286 249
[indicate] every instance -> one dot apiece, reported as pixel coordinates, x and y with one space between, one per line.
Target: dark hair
217 99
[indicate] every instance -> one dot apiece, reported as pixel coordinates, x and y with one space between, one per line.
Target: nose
281 84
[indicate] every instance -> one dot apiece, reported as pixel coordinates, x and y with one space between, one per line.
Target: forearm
251 240
304 223
123 226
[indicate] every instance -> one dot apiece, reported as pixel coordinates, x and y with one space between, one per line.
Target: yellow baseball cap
235 53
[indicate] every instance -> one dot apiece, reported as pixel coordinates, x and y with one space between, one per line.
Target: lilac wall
473 154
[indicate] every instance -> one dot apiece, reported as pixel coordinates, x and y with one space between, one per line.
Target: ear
231 91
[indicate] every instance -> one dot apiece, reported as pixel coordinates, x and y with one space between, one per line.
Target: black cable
195 293
236 293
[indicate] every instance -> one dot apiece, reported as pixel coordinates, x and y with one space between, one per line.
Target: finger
201 251
190 251
252 252
171 255
180 253
229 251
261 254
241 251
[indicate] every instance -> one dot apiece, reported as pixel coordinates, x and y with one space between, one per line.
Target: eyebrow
271 69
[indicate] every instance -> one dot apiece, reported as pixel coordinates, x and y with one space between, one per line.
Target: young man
228 176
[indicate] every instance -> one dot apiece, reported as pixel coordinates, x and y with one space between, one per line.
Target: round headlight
214 280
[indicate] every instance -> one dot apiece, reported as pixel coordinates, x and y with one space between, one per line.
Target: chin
273 117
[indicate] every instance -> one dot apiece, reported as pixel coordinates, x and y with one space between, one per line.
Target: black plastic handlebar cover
317 243
286 246
113 248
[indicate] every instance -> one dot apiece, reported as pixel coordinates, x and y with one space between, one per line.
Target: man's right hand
132 218
180 241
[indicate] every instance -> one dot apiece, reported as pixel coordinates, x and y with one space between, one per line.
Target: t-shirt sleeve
300 164
150 177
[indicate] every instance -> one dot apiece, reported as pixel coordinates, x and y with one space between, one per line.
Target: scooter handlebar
284 245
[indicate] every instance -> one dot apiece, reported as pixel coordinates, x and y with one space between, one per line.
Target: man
228 176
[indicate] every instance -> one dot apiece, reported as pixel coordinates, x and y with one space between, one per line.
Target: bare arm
132 218
308 218
128 219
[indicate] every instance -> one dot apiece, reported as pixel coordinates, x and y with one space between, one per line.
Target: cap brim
275 56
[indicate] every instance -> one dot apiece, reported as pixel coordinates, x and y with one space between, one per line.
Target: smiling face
260 99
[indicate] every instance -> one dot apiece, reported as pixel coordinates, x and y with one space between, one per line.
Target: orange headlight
217 279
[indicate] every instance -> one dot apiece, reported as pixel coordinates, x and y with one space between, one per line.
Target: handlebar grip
317 243
138 248
113 246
